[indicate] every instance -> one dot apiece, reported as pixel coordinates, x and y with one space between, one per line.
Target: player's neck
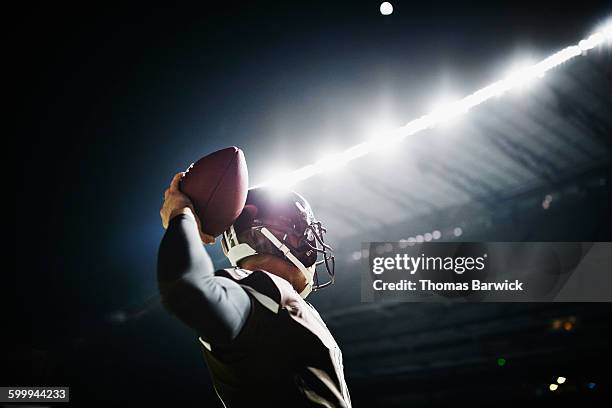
278 267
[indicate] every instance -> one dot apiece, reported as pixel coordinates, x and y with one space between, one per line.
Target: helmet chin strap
308 272
241 251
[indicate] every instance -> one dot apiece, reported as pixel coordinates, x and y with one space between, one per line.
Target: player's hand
175 203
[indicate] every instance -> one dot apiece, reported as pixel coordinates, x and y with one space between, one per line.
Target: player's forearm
184 269
216 309
181 250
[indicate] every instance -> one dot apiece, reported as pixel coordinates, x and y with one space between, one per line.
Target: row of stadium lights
427 237
406 242
436 235
516 80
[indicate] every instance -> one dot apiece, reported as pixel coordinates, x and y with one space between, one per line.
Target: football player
263 343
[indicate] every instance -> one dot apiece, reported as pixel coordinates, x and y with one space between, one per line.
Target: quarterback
263 343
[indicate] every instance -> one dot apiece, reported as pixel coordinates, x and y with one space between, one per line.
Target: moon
386 8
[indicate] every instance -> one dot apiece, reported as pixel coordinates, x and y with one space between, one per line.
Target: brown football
217 185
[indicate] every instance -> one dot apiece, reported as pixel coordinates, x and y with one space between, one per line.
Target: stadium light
330 162
449 111
606 30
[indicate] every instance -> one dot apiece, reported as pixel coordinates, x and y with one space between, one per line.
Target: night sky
113 101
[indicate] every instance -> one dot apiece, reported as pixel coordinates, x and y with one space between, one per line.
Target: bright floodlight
522 75
379 128
330 162
560 380
606 30
386 8
553 387
447 109
516 80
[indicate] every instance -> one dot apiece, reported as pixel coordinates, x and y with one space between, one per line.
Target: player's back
283 356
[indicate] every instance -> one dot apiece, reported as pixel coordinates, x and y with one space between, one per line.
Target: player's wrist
182 211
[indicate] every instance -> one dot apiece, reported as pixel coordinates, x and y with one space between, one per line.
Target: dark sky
114 101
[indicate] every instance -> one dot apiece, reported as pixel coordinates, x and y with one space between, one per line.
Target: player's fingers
164 219
166 193
174 184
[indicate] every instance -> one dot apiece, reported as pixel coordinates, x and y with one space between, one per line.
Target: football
217 185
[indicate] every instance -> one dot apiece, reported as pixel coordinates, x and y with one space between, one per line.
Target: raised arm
217 308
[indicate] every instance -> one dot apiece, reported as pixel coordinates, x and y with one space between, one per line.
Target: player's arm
216 308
